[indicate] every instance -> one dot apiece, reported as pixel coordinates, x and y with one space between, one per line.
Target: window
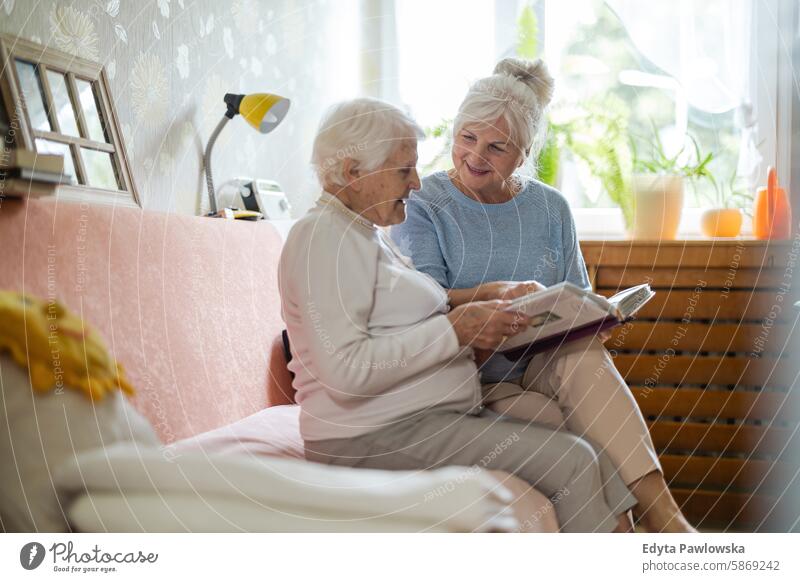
702 71
675 71
61 104
442 48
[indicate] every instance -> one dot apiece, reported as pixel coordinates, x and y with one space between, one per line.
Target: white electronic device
266 197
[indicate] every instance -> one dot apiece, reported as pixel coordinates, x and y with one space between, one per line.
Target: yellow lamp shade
264 111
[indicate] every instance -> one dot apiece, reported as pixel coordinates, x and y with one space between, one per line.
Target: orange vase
772 213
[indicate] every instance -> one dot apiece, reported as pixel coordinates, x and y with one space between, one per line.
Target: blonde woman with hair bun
485 230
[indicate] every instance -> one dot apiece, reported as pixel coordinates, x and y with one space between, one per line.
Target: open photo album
565 312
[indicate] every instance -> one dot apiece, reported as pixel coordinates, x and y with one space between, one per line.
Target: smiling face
380 195
484 158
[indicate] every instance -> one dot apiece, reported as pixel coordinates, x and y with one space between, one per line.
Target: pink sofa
188 305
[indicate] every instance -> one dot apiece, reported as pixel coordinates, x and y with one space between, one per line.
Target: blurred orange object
721 222
772 214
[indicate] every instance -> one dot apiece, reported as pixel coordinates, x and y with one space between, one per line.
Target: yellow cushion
58 348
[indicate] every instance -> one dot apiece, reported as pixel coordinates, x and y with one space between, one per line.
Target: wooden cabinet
712 362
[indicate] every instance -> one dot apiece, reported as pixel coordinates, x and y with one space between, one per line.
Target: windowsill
607 224
682 241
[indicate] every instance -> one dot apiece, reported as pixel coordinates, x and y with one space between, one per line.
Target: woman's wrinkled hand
486 324
507 290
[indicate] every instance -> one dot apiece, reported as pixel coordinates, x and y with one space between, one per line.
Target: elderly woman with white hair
384 370
484 231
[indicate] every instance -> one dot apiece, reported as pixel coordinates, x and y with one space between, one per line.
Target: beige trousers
577 387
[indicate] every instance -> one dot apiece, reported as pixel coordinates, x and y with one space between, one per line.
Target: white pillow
272 432
125 489
39 432
180 512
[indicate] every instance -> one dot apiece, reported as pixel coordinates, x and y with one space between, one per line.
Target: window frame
72 67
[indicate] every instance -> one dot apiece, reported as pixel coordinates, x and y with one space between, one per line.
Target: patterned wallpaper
170 63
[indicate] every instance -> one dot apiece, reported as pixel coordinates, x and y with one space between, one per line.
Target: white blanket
125 488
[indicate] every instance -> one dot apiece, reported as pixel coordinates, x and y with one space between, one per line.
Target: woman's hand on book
496 290
486 324
507 290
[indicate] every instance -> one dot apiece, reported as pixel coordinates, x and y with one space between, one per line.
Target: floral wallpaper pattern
171 61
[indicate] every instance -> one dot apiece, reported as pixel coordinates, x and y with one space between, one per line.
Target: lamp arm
212 199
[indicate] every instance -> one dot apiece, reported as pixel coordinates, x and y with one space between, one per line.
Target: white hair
518 91
365 130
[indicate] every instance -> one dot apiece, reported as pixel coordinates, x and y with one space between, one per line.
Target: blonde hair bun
533 74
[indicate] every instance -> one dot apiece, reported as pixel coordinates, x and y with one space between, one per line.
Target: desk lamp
263 111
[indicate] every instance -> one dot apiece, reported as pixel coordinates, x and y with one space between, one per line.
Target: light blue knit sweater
462 243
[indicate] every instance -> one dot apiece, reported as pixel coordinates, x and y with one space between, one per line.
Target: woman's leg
562 466
657 509
531 406
597 403
534 512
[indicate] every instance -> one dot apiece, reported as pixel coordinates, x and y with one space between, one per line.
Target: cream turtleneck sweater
370 340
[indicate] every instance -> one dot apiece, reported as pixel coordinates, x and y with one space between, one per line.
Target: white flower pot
658 203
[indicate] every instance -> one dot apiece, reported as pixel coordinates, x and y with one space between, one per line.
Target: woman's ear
351 174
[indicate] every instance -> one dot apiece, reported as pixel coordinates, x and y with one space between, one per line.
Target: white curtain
703 44
443 46
379 50
706 45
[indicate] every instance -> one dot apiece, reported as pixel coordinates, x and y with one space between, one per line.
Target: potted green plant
658 186
527 47
596 134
